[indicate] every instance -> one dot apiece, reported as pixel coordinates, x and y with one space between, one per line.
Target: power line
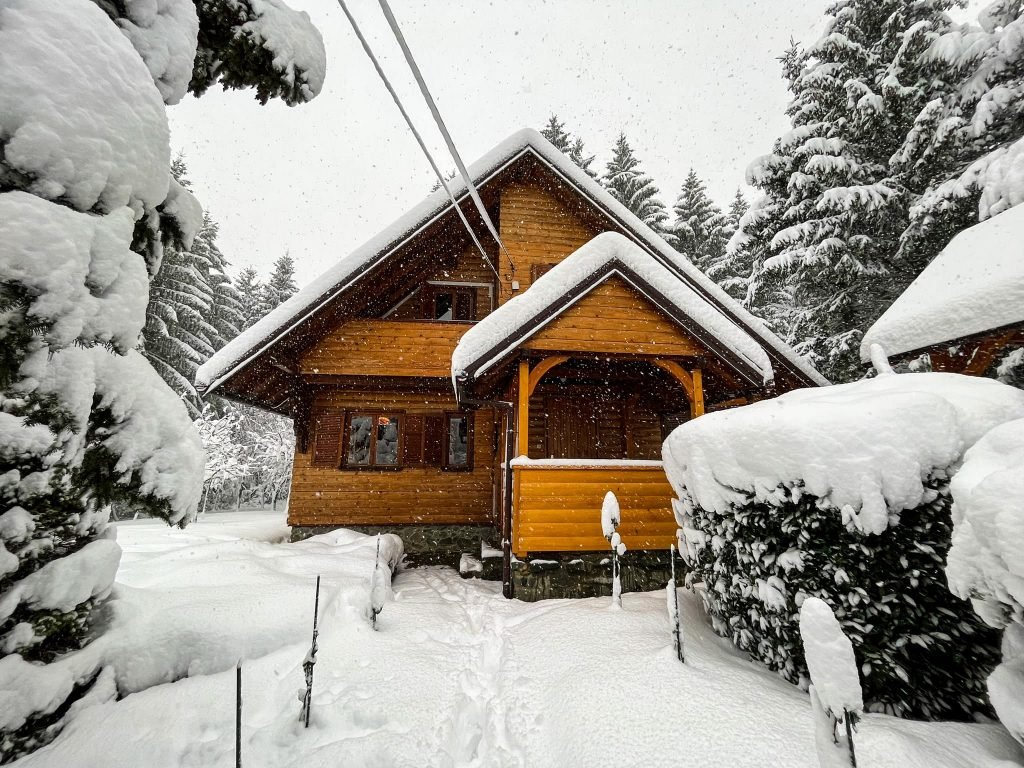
470 186
419 140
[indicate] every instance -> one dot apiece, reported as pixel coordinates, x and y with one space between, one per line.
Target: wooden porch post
523 411
698 392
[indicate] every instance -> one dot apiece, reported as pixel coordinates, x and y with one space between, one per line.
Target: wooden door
572 427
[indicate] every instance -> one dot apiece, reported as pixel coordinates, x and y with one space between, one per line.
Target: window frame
431 291
373 466
448 416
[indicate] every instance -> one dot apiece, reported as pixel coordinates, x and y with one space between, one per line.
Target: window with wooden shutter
327 439
433 439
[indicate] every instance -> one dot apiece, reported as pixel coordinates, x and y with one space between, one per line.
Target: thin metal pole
238 715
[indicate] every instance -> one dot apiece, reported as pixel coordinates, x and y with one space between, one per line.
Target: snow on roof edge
972 286
267 331
479 343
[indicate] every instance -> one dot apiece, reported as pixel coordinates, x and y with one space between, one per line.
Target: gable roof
974 285
248 345
610 253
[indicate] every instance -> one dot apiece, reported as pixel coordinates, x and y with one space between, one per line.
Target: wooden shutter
327 440
412 440
433 439
536 270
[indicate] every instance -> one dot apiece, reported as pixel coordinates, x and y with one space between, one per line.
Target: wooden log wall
410 495
614 319
385 348
558 509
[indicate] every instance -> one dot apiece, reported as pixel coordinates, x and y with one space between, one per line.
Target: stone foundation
424 544
588 574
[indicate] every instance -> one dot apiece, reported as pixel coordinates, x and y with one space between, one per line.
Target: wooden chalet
414 371
965 312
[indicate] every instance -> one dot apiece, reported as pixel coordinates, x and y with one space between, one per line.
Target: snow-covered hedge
986 561
843 493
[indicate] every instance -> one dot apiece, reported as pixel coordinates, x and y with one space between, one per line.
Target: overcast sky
691 82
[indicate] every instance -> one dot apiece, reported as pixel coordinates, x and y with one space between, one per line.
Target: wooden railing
557 505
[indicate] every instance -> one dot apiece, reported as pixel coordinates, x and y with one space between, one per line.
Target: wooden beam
697 402
541 368
523 410
676 371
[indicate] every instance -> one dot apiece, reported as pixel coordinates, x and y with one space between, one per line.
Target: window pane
359 440
458 441
387 440
463 305
443 306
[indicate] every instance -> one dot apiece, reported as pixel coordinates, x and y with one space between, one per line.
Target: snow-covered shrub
986 561
842 493
836 699
87 204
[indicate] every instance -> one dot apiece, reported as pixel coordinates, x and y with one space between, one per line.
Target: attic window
449 303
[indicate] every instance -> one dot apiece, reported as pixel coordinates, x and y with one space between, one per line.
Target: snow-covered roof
348 270
610 253
975 284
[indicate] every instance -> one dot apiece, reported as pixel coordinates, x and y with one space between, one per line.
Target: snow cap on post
610 515
830 659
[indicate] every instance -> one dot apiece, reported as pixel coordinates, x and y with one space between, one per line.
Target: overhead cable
419 139
470 186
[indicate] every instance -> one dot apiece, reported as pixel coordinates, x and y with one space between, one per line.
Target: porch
585 426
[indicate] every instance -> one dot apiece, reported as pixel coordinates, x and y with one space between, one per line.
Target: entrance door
572 427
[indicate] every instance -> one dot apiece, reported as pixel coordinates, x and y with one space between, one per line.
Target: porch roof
496 336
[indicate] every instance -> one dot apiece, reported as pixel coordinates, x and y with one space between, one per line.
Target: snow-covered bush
842 493
87 203
836 699
986 561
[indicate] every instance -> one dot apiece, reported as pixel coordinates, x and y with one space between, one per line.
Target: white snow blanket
975 284
986 560
345 273
454 676
864 448
607 249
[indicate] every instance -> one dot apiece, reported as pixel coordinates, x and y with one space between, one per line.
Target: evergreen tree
281 285
250 296
732 270
829 227
959 155
193 309
86 420
555 132
628 184
699 228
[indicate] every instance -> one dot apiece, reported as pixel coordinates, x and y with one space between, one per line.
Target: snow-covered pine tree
87 202
833 214
699 227
250 296
628 184
281 285
958 156
572 148
611 516
732 270
193 308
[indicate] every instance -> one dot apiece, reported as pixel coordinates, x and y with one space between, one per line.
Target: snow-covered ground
455 676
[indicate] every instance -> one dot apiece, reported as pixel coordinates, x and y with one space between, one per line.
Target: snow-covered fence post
610 519
310 660
672 589
835 685
378 587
